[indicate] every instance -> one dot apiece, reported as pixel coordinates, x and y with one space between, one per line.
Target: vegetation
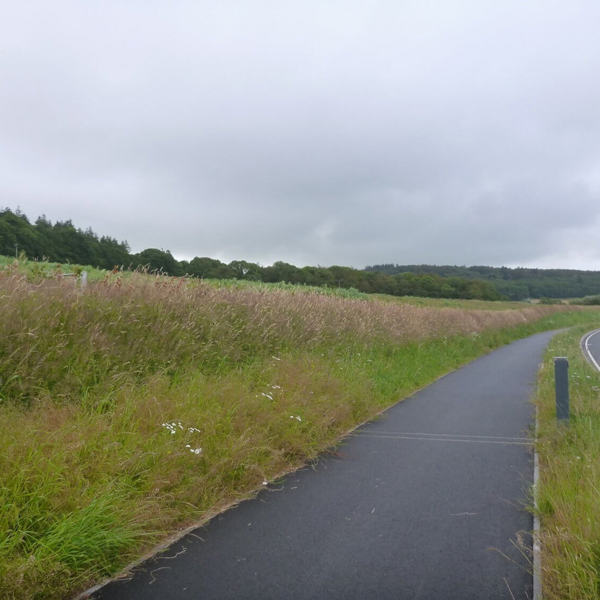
569 487
515 284
37 270
60 242
142 404
589 300
63 242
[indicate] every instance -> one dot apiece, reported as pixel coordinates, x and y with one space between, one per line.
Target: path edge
177 536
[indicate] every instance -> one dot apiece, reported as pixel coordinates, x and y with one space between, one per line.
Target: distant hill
62 242
65 243
516 284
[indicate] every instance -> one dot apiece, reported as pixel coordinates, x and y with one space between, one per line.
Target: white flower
267 395
195 450
276 387
170 427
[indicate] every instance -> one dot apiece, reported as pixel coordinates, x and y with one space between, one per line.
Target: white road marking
586 348
448 438
453 435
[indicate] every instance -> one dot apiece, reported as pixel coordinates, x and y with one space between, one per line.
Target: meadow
141 404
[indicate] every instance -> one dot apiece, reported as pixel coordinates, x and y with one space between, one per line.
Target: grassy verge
144 404
569 489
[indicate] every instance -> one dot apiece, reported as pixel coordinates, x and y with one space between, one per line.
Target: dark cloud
318 133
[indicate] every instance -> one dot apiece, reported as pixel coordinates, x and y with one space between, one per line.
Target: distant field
38 269
454 302
42 269
144 403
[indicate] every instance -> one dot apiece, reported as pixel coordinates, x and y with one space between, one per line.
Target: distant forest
515 284
63 242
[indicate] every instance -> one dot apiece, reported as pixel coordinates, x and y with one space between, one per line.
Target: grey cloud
339 132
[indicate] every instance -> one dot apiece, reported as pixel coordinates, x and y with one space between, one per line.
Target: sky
315 132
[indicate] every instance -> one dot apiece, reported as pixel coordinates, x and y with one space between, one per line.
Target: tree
246 270
282 271
158 260
209 268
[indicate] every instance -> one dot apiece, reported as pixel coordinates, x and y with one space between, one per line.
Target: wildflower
170 427
265 482
276 387
267 395
275 358
193 429
297 417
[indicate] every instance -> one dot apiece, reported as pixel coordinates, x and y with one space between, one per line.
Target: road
426 502
590 345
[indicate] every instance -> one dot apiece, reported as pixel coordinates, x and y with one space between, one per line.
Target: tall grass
58 342
145 403
569 490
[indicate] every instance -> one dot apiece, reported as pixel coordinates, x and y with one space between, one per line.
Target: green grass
289 287
569 490
454 302
147 403
38 270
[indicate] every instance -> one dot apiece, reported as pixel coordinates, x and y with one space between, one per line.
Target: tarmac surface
590 345
427 502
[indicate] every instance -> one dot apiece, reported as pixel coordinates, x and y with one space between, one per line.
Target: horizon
32 219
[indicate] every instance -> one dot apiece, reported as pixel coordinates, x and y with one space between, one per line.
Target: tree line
516 284
63 242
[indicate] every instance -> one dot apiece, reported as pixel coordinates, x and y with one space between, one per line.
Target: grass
453 302
569 489
289 287
143 404
37 270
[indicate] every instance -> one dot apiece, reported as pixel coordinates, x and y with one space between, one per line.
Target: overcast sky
315 132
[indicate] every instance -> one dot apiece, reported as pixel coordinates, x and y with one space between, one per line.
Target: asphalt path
590 344
426 502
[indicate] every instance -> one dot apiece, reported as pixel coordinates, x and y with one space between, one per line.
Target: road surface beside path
426 502
590 345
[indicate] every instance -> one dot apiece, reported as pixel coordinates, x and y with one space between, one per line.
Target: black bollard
561 380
